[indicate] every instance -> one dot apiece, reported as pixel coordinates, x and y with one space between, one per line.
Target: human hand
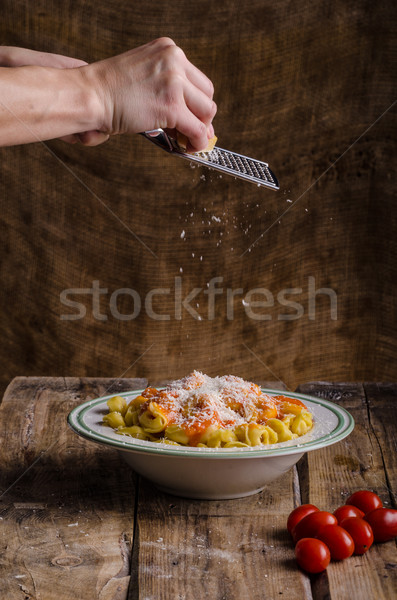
153 86
11 56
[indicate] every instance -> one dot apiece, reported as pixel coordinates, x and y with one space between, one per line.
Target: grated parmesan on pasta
199 410
228 399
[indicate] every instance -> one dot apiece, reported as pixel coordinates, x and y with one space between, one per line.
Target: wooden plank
66 507
382 406
232 549
329 475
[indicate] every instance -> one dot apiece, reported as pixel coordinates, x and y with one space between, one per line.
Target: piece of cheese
183 141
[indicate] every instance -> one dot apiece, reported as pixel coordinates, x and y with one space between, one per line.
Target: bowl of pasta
211 438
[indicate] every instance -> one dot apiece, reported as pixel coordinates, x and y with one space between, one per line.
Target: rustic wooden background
299 85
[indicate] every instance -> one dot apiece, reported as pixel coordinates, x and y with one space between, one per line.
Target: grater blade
234 164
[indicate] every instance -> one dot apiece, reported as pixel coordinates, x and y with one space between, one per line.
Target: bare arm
13 57
149 87
42 103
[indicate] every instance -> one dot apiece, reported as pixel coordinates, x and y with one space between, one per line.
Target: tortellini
220 412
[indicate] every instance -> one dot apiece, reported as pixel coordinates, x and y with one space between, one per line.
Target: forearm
41 103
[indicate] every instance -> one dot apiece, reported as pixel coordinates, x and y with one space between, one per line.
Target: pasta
219 412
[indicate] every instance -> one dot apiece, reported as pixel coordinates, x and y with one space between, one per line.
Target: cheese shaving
227 400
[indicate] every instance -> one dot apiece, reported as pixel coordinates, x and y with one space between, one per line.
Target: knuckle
201 129
210 110
164 41
214 108
172 83
174 55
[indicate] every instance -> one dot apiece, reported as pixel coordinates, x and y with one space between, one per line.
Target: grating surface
222 160
238 164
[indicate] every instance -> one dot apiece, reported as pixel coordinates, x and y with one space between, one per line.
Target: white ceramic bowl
213 473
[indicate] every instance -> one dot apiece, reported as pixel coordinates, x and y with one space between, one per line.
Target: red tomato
312 555
383 523
340 543
310 525
347 510
298 514
361 533
365 500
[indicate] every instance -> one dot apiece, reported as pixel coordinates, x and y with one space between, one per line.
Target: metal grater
219 159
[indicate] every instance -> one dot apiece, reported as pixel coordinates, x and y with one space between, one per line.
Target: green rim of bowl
345 424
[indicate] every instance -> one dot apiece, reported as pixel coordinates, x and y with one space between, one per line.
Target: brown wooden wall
301 85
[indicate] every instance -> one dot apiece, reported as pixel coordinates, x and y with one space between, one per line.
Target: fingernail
210 132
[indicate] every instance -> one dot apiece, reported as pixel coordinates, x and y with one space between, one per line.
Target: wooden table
77 523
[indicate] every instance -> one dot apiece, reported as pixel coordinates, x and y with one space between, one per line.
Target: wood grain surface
75 522
307 88
364 460
67 509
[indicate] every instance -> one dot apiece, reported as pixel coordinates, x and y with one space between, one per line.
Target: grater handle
160 138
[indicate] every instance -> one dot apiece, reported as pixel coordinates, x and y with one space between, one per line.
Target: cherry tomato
310 525
340 543
383 522
312 555
361 533
347 510
365 500
298 514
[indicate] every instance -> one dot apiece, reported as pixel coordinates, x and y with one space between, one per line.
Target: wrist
89 99
97 97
